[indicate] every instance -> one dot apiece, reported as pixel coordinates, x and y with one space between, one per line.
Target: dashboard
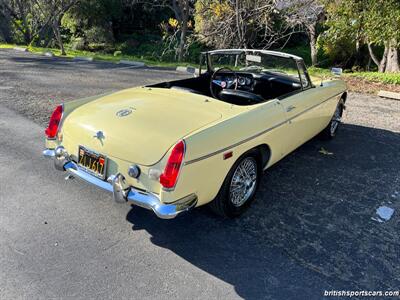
245 81
267 84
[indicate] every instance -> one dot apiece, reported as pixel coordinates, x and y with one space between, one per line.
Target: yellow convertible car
172 146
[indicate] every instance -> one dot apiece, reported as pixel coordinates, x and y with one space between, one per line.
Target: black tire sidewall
332 135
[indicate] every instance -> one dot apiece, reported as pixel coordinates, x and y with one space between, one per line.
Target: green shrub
303 51
101 47
194 52
128 47
141 37
99 35
78 44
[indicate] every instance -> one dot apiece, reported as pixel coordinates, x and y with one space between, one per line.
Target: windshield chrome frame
297 60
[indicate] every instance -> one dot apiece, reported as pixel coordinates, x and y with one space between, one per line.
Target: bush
128 47
78 44
101 47
141 37
98 35
303 51
194 52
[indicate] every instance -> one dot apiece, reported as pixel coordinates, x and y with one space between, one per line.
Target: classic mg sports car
172 146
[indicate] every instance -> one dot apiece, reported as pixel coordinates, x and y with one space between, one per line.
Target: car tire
239 188
332 128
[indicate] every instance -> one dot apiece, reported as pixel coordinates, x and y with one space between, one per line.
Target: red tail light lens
54 122
170 175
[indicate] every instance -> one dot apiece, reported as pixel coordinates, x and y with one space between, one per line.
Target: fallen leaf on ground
325 152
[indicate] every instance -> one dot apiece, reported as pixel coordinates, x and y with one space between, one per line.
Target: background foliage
357 35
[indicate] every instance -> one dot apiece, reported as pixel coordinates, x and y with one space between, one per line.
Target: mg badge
124 112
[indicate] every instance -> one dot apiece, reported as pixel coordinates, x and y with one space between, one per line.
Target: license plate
92 162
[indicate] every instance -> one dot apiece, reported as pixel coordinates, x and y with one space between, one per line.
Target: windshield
254 62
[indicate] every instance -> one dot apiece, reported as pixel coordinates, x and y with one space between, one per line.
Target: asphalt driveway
313 227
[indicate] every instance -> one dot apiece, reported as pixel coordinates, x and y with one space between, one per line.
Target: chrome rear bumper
115 185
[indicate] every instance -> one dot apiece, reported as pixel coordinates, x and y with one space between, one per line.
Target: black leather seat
240 97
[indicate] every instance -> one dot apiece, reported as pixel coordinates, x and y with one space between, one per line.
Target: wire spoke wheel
244 182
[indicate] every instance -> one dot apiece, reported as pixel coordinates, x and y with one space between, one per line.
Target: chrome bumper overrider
115 185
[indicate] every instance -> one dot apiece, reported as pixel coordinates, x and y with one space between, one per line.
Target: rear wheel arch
264 155
344 97
342 100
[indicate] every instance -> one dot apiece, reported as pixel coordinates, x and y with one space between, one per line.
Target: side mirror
337 71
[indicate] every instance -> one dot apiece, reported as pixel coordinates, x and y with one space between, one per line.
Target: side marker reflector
228 155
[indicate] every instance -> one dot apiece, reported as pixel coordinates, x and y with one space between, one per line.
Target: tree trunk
238 28
312 34
57 34
181 9
381 64
392 64
182 41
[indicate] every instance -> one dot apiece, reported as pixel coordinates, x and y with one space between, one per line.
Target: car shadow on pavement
312 228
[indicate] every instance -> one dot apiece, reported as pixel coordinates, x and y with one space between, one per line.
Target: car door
304 113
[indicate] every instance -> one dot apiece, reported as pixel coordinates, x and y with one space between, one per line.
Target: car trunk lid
138 125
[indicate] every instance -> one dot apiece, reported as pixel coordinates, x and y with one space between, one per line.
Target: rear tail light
55 119
170 175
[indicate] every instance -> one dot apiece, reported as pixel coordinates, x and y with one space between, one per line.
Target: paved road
313 227
33 85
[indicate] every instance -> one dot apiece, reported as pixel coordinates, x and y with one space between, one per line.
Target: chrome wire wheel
337 118
244 182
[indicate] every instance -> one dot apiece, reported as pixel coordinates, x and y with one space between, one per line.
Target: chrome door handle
290 108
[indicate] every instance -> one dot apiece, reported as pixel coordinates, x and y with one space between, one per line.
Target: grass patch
388 78
7 46
98 56
385 78
319 72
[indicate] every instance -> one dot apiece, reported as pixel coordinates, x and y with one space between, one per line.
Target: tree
307 14
234 23
183 10
375 23
31 17
21 14
51 13
382 28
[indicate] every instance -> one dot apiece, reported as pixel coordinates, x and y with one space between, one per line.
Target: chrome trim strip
267 52
234 145
258 134
49 153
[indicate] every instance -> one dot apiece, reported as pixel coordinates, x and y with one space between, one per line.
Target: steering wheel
222 84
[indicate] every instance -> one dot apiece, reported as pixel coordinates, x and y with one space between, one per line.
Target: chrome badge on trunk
124 112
